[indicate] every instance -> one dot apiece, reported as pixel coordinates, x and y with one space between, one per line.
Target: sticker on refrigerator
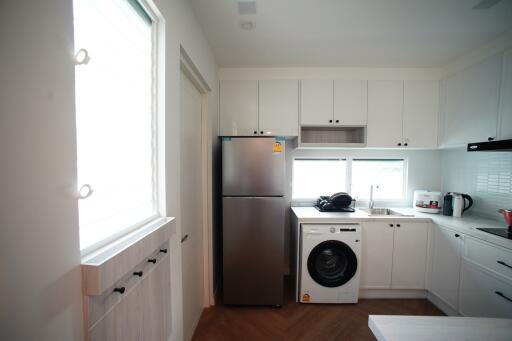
278 147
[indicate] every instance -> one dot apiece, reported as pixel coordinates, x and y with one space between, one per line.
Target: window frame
320 158
348 177
404 178
157 123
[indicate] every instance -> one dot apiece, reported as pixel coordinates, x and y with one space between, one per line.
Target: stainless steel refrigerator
253 213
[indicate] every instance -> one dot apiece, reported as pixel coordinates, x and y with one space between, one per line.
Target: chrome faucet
371 203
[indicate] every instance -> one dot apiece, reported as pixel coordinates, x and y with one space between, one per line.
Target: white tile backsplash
485 176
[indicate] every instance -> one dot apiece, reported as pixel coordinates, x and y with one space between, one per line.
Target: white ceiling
379 33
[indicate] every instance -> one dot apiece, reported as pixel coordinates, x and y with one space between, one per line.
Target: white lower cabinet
123 322
394 255
409 256
377 255
156 293
446 261
483 294
141 313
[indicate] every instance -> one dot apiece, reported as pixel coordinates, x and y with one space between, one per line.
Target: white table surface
423 328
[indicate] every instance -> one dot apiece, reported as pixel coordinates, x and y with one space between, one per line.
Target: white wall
40 287
39 247
182 29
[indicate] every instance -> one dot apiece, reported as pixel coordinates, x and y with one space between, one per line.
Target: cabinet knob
397 225
163 250
261 132
406 144
391 225
152 260
255 132
330 121
490 139
138 273
457 235
337 121
399 144
120 290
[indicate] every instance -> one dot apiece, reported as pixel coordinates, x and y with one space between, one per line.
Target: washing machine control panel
330 228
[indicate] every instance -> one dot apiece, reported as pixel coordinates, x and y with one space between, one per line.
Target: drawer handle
457 235
152 260
184 238
504 264
138 273
120 290
499 293
163 250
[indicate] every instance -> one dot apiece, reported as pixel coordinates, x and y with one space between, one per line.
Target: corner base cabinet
446 262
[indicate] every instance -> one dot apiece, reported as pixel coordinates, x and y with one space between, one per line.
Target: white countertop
466 224
423 328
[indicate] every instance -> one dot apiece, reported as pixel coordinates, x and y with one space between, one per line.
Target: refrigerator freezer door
253 250
253 167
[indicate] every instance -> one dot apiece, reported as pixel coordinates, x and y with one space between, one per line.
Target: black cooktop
334 209
498 232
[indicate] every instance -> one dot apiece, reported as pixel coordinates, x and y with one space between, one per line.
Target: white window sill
105 266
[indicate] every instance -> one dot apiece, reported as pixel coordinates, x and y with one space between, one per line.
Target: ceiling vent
246 7
486 4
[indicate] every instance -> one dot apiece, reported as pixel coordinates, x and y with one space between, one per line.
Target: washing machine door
332 263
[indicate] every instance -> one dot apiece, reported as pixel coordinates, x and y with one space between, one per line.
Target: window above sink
313 177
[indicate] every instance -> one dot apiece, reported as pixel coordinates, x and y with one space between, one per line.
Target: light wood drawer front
494 258
483 294
99 306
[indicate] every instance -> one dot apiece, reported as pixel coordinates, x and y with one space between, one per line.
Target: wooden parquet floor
294 321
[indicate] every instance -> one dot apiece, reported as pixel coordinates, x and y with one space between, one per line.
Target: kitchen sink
383 212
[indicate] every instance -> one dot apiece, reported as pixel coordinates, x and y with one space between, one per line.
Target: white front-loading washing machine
330 261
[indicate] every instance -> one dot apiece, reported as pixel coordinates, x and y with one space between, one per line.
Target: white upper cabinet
469 104
421 112
505 122
385 107
410 256
238 108
350 102
316 102
279 107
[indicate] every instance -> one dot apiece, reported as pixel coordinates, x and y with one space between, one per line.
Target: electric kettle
459 203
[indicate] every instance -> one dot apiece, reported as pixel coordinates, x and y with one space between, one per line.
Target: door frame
192 73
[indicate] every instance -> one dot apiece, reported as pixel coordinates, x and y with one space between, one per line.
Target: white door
505 123
470 103
410 256
377 255
446 262
385 106
316 106
191 206
350 102
238 104
421 111
279 107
